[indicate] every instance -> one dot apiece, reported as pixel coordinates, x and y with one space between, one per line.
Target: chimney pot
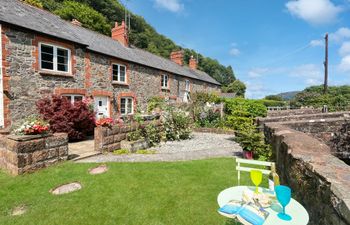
120 33
177 57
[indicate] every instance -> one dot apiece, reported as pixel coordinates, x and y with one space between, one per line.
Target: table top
294 209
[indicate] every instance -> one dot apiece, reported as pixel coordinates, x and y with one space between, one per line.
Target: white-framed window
54 58
187 85
165 81
119 73
126 105
73 98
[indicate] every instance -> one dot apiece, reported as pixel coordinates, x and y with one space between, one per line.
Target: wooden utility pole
326 65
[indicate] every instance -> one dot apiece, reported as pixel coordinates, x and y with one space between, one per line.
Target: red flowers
36 129
108 122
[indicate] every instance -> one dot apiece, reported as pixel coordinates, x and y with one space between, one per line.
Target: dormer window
119 73
165 81
54 58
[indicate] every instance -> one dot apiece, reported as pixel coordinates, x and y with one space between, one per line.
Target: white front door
101 106
1 86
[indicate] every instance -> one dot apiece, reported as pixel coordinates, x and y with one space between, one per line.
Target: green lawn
129 193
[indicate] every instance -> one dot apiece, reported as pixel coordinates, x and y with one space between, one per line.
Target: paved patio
82 149
201 146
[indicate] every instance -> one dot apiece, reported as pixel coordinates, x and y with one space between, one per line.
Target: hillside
286 96
100 15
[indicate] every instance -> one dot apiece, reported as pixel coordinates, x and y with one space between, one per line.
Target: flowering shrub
90 103
33 126
177 124
105 122
75 119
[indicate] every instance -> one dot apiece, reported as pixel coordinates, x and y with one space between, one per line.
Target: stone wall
91 75
292 112
108 139
297 117
25 154
319 180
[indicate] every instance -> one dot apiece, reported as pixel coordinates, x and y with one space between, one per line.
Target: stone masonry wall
22 154
293 112
91 76
108 139
319 180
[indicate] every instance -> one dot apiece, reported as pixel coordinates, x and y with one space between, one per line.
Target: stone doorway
82 149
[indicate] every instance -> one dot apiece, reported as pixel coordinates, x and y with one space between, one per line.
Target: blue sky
273 46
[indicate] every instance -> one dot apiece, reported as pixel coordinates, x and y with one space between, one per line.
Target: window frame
72 101
165 85
126 106
118 75
55 58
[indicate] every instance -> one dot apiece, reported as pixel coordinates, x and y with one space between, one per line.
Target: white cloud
257 72
316 12
316 43
310 73
171 5
256 90
344 65
340 35
234 52
345 49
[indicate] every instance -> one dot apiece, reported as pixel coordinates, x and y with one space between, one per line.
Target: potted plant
33 127
106 122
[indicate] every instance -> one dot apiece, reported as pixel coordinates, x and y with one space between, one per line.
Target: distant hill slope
100 15
286 96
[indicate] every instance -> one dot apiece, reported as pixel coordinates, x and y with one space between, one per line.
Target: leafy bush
272 103
155 103
76 120
150 132
209 118
135 135
254 108
177 124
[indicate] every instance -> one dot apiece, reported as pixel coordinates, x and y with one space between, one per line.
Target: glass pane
129 106
122 106
46 57
62 67
122 73
78 98
115 72
62 60
47 65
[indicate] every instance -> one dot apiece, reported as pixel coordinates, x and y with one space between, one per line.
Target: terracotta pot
248 154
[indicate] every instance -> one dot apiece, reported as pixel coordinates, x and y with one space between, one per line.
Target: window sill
165 89
54 73
119 83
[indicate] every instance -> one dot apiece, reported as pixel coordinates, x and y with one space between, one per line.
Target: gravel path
201 146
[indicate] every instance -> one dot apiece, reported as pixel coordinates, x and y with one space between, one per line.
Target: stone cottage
42 54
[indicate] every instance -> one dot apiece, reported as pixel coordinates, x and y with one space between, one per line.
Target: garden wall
319 180
23 154
108 139
291 112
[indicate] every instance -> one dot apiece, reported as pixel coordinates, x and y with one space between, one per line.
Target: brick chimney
120 33
177 57
193 63
76 22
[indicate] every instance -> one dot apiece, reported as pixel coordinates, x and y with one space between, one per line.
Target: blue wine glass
283 194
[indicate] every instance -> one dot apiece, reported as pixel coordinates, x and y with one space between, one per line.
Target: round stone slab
19 210
98 170
66 188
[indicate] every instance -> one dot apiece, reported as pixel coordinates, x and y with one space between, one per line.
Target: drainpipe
1 85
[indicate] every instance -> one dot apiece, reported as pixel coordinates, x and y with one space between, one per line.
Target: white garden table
294 209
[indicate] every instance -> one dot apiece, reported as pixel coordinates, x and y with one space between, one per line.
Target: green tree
237 87
86 15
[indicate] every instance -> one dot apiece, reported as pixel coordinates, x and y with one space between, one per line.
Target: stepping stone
66 188
98 170
19 210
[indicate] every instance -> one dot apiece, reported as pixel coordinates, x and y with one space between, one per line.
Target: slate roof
17 13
